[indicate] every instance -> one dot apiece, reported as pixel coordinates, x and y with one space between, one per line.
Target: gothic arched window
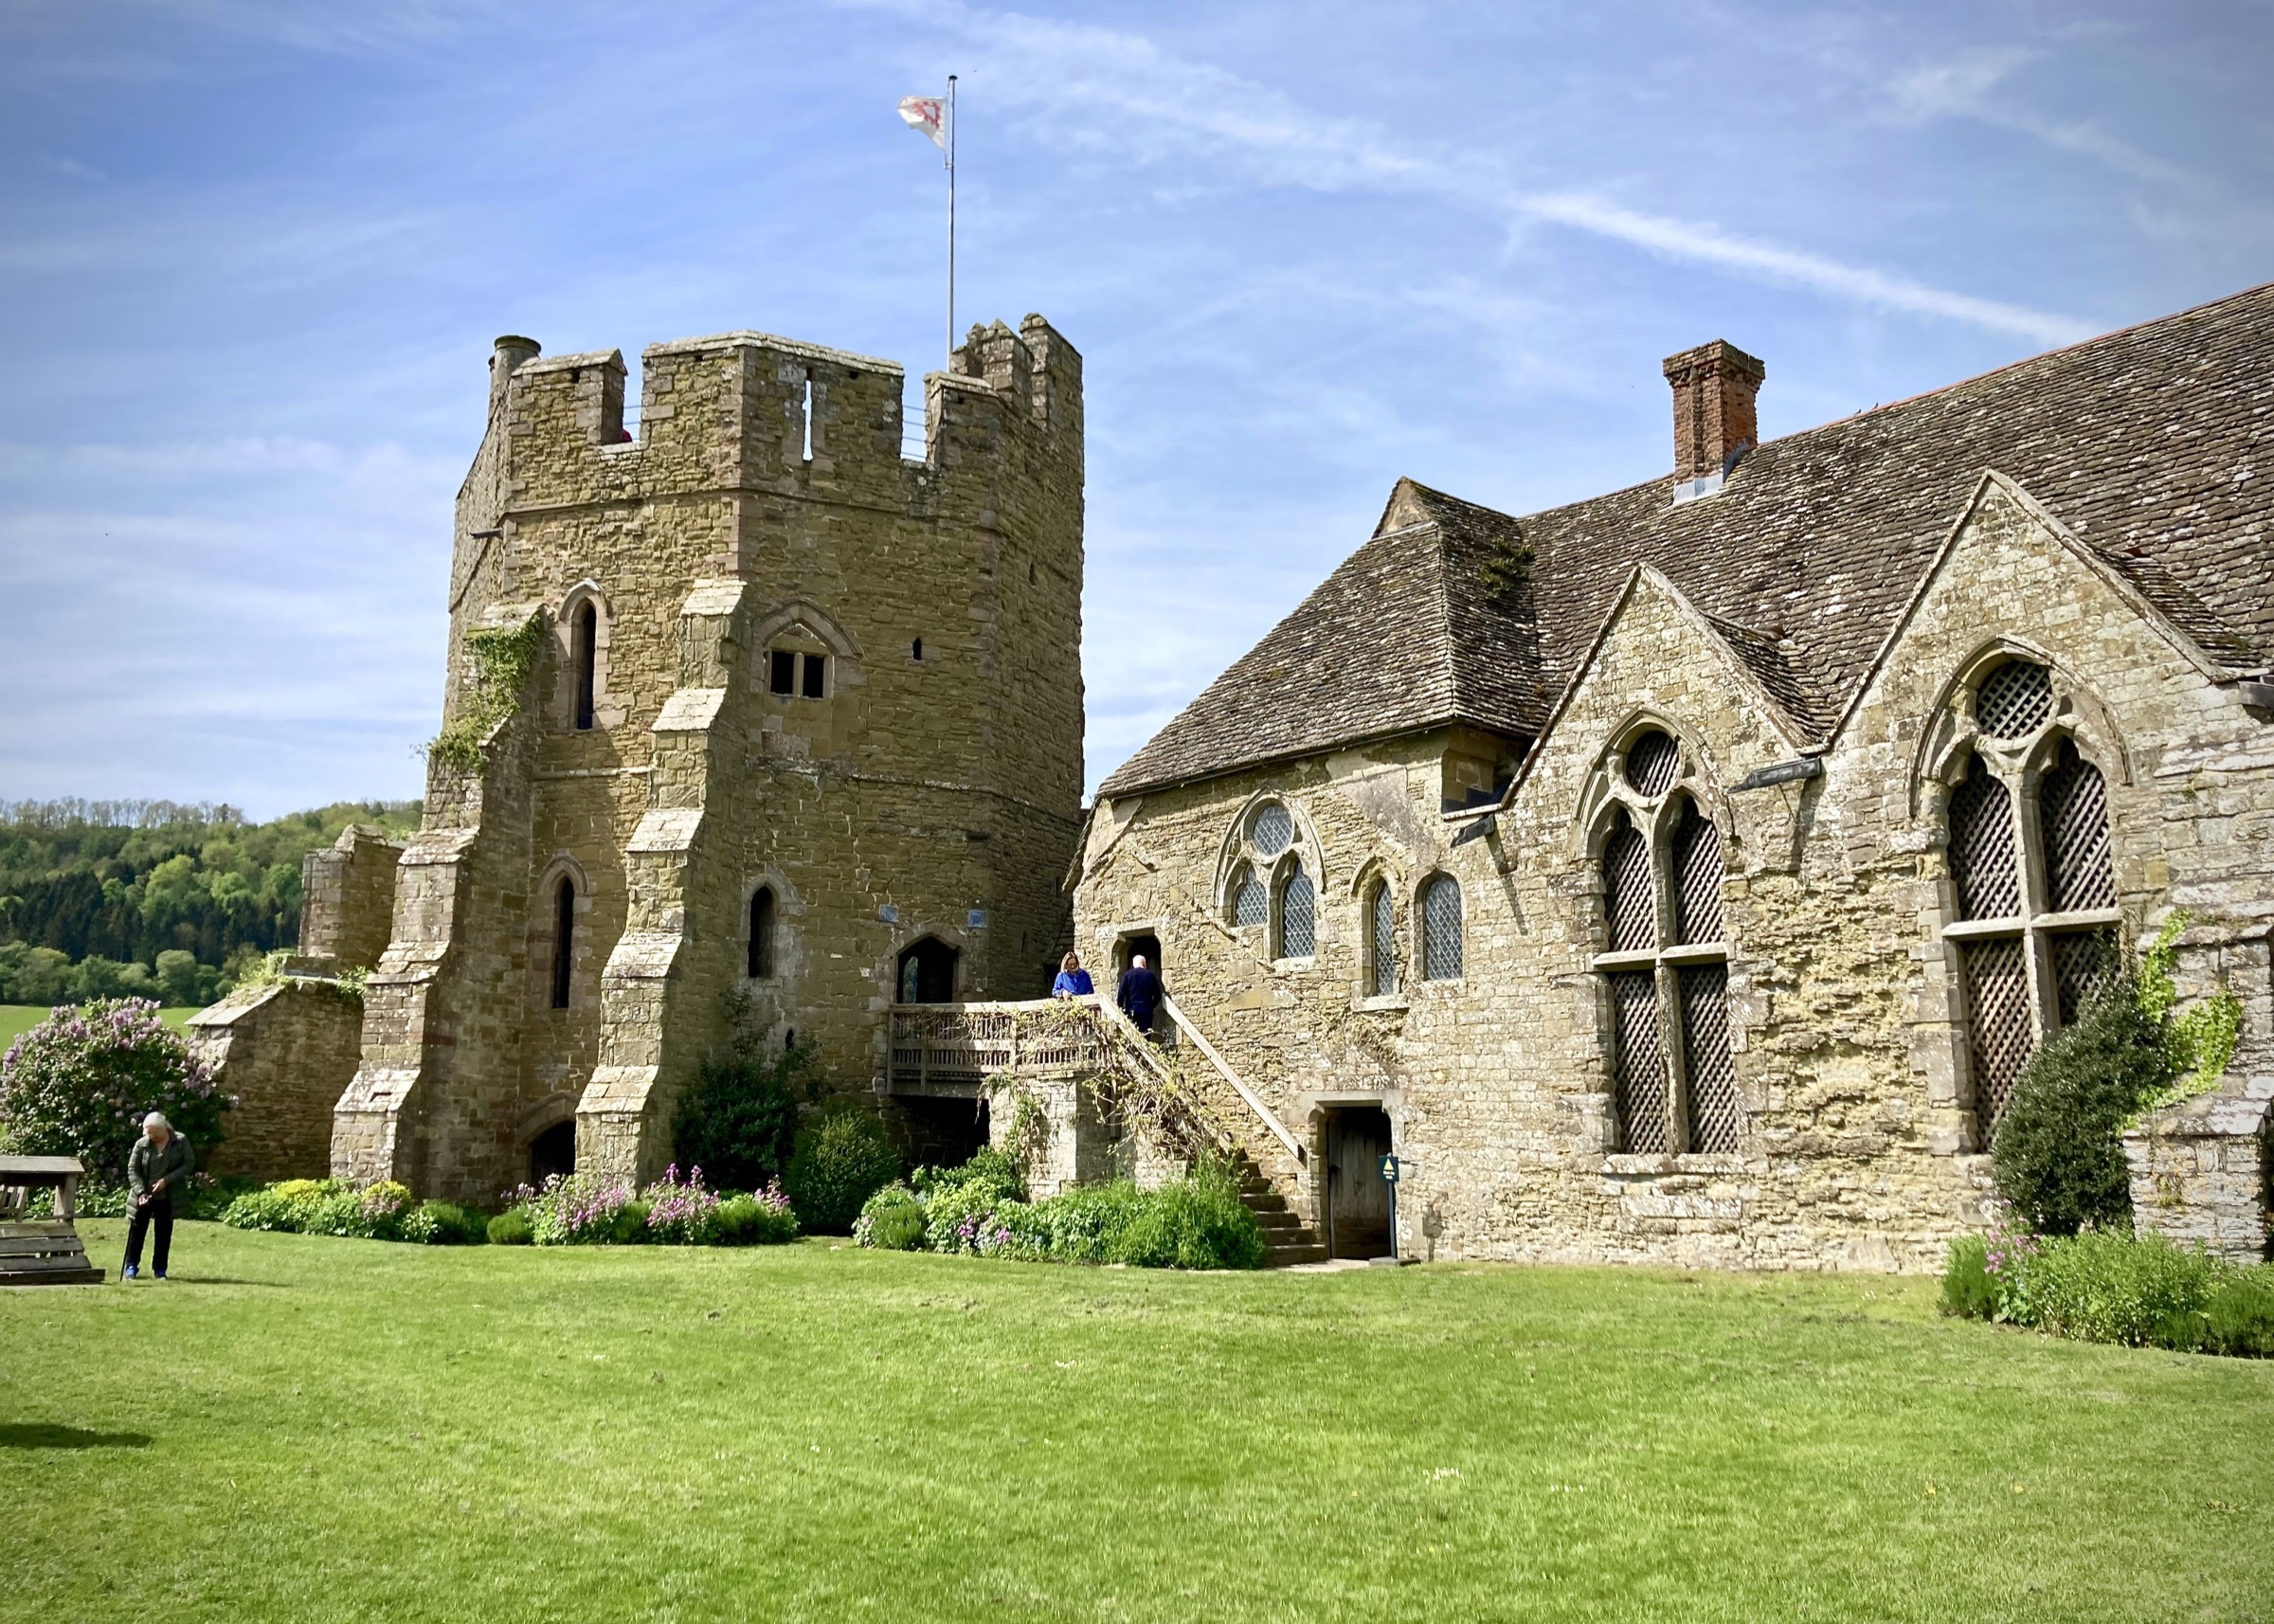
1441 929
1250 905
1665 961
563 940
1382 940
586 653
1298 914
761 959
2031 878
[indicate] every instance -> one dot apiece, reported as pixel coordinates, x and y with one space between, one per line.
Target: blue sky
253 255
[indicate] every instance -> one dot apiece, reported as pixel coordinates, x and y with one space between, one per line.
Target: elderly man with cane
159 1165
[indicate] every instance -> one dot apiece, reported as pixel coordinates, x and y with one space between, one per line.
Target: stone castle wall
933 789
1860 1143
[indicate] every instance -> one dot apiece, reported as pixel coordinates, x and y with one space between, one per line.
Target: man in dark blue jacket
1139 994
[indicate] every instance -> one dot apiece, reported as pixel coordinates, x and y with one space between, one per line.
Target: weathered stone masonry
776 656
1808 628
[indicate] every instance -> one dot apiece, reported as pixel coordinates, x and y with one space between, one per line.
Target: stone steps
1287 1240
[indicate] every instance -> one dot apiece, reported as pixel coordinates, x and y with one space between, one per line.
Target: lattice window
1382 941
1628 904
1298 915
2082 962
1639 1063
1272 831
2072 819
1713 1114
1697 877
1981 846
1999 1030
2014 700
1651 762
1250 904
1441 929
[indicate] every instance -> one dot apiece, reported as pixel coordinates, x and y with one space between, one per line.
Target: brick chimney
1714 425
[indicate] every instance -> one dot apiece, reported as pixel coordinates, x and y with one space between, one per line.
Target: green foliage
1091 1223
383 1211
843 1158
80 1083
123 882
512 1227
2059 1152
761 1220
740 1119
449 1224
2199 1040
2238 1318
503 657
1968 1292
1195 1223
892 1220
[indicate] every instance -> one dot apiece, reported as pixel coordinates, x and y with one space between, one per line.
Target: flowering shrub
680 1215
383 1211
890 1221
580 1209
80 1083
2108 1286
760 1218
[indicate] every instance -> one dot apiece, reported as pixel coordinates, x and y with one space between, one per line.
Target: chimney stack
1714 425
509 352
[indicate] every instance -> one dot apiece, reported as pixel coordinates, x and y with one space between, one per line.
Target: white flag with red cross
927 117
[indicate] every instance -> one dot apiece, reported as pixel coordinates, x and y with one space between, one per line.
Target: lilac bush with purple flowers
80 1083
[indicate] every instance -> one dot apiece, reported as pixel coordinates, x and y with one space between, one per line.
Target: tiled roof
2154 446
1428 622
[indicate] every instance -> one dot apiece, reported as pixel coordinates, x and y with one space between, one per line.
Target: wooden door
1358 1202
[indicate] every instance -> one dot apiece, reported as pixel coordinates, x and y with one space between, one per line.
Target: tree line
92 892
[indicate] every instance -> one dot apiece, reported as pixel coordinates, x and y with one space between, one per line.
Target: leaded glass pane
1713 1114
1298 915
1627 887
1275 826
1637 1062
2014 700
1441 929
1382 944
1982 847
1249 904
1697 877
2072 820
1651 760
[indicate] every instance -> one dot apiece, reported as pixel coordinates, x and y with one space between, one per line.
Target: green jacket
146 1164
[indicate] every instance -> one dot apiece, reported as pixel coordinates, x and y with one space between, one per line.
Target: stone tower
749 700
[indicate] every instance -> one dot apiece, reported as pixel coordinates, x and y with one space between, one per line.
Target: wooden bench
38 1252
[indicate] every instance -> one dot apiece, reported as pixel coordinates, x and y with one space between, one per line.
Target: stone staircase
1286 1237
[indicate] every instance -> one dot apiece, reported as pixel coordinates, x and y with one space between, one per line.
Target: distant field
15 1018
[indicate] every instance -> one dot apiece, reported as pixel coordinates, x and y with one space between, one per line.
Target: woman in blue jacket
1074 980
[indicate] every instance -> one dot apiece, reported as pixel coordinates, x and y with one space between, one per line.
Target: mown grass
315 1430
16 1019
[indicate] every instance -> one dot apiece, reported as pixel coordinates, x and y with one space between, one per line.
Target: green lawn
18 1017
302 1429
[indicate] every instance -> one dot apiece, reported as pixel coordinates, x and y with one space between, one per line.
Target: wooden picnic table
42 1252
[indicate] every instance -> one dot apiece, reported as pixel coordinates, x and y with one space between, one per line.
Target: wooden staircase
1286 1237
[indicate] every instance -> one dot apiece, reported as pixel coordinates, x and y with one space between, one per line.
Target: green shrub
512 1227
764 1219
892 1220
80 1083
286 1205
2059 1152
2105 1286
988 1169
1968 1292
844 1157
446 1223
2238 1316
1196 1222
740 1119
1089 1224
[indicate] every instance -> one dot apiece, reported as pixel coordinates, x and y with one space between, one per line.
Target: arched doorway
552 1151
1358 1202
927 972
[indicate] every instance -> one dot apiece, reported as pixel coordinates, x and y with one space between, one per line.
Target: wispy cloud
1978 84
1106 91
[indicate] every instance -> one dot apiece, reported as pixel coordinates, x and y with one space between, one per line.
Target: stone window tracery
1298 932
1250 905
1665 959
2033 889
1268 885
1441 929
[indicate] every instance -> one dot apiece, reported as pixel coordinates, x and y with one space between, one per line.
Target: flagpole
951 220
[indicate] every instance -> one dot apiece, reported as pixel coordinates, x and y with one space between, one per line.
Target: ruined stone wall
282 1051
933 788
1859 1145
348 898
